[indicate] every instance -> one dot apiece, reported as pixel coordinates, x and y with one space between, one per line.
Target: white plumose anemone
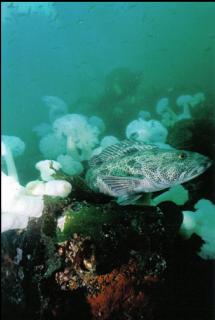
69 165
11 147
168 116
51 145
81 136
146 131
47 168
57 107
202 223
105 142
53 188
17 205
42 129
184 102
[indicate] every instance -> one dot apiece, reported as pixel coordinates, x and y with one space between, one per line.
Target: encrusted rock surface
109 262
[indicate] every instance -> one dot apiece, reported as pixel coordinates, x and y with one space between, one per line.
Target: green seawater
110 59
146 72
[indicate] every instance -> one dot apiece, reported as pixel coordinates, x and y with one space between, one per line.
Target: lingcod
128 169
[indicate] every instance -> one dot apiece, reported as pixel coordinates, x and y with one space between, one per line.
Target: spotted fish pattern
129 168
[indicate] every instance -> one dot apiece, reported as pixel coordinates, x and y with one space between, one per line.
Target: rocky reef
108 262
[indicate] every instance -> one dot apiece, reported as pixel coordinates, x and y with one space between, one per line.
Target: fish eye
182 155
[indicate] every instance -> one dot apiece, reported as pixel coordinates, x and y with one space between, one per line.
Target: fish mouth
209 163
201 169
197 171
205 165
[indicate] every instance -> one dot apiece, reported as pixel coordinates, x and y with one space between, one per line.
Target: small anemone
51 146
47 168
57 107
202 223
146 131
69 165
11 147
81 136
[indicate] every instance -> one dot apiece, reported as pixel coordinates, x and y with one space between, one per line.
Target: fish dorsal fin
120 149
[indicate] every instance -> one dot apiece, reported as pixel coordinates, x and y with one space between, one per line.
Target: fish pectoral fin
119 186
128 199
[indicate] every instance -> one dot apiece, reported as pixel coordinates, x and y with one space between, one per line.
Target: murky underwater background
114 70
77 51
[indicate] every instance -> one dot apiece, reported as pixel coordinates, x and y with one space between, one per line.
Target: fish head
185 165
174 167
